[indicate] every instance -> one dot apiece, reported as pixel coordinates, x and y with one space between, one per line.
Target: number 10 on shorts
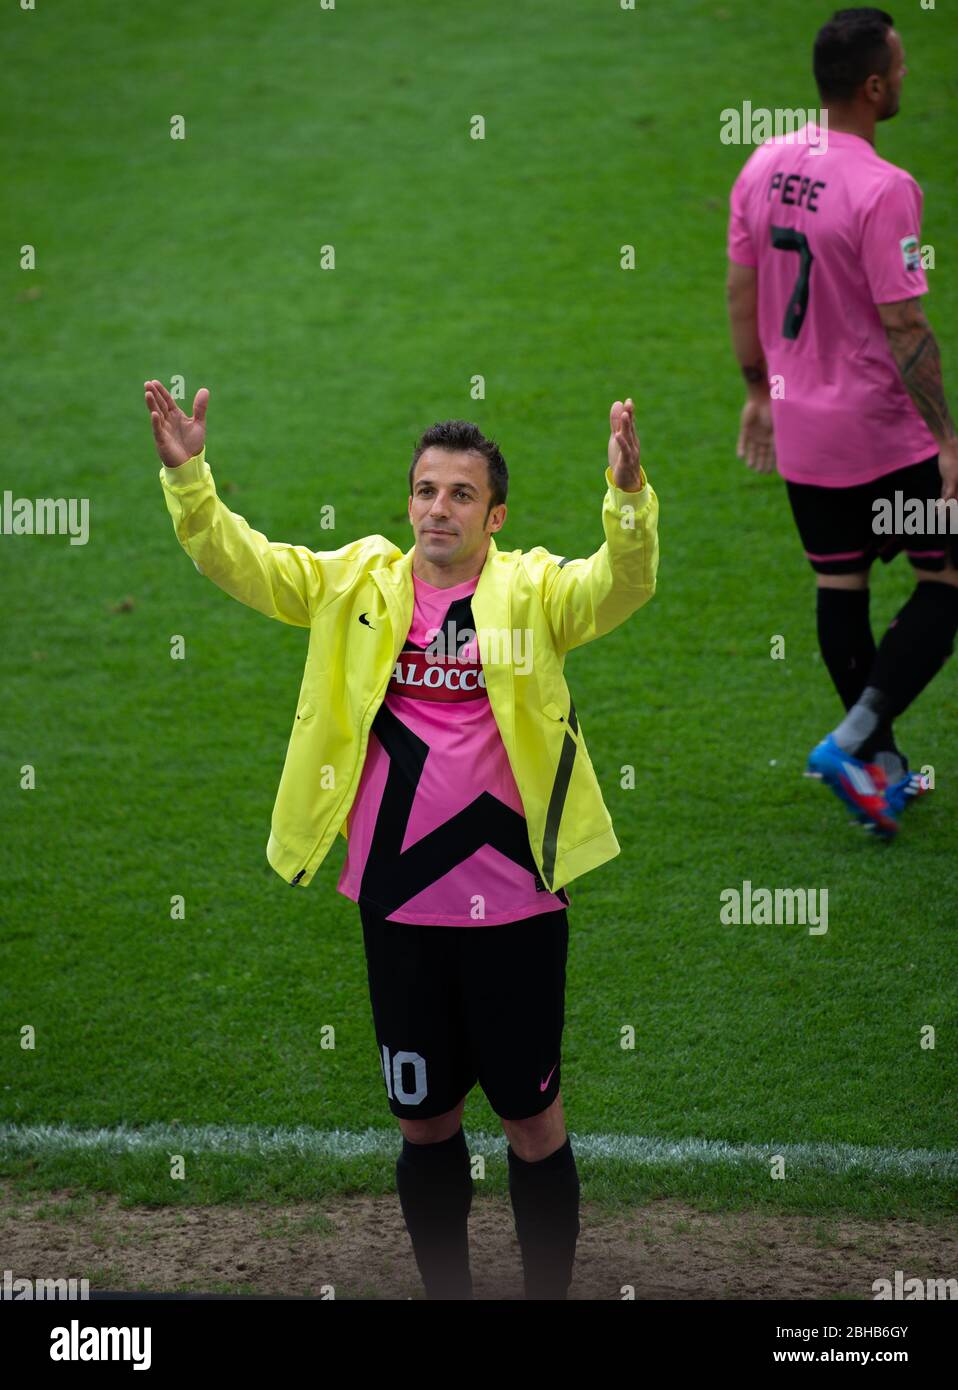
393 1076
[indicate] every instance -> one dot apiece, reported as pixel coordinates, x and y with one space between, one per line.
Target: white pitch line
346 1144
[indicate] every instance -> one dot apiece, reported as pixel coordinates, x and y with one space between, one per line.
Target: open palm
178 437
756 438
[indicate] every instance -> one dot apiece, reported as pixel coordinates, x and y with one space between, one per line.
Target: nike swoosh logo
544 1084
365 621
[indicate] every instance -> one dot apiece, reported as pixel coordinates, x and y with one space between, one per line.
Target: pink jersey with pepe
437 824
832 234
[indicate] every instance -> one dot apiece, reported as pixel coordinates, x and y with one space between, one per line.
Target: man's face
447 509
891 97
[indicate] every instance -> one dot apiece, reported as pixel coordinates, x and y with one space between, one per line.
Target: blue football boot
862 786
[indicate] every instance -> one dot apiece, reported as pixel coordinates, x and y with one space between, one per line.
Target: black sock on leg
848 650
915 647
434 1182
545 1202
918 642
845 639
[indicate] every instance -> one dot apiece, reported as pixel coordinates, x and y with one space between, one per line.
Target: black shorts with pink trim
456 1005
844 529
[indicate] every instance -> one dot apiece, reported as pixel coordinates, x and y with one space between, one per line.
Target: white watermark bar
916 516
756 125
13 1288
912 1289
760 907
45 516
500 645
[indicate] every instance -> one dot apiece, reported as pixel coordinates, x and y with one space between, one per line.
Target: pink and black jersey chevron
437 833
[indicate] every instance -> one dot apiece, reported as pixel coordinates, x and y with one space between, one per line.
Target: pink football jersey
832 232
437 830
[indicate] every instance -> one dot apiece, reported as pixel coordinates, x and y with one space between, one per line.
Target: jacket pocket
305 712
552 711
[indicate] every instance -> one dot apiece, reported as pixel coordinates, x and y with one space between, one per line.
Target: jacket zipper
296 877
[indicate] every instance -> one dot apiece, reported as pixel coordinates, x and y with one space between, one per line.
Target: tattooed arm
914 348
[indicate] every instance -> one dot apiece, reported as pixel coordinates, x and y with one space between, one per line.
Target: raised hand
624 447
178 437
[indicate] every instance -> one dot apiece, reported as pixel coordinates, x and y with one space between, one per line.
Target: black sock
845 639
545 1201
917 644
915 647
848 650
435 1192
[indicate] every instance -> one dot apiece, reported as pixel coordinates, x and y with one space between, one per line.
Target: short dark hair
461 436
848 49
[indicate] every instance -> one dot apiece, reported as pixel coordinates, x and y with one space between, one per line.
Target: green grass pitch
454 258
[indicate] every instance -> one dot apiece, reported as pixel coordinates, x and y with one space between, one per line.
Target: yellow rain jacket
357 603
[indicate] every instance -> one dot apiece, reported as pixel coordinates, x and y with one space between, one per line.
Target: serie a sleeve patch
910 253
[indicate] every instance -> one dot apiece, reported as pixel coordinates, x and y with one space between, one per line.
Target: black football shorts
457 1005
837 525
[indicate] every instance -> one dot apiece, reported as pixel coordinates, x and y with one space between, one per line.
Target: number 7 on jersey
788 239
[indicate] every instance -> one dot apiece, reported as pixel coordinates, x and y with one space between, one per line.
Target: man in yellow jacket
434 730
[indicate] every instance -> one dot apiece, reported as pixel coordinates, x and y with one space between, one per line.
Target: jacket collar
399 573
395 584
491 605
